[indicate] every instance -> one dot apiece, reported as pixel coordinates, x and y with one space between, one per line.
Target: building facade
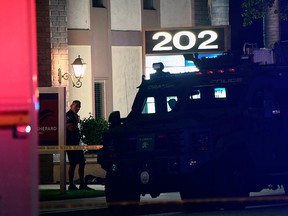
108 36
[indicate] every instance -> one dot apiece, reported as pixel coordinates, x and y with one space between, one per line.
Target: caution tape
64 148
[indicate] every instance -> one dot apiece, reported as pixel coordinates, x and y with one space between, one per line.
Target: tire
196 194
217 186
232 178
235 191
122 197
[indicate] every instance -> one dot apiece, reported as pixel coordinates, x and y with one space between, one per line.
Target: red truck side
18 109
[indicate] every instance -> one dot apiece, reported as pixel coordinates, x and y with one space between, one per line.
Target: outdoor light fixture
79 69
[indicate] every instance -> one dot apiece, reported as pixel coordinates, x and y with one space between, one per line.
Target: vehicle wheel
232 184
122 197
196 194
236 190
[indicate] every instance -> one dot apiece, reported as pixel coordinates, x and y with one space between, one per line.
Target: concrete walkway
94 203
100 202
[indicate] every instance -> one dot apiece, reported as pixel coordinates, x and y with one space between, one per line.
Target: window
148 5
220 93
171 102
97 3
195 95
99 99
149 106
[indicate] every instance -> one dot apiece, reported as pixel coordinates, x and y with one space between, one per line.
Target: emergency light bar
159 68
218 71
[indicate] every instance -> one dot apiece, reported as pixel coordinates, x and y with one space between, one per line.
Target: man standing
73 139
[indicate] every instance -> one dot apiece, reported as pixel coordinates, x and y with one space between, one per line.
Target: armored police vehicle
219 132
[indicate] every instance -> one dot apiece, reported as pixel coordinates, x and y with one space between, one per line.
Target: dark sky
252 33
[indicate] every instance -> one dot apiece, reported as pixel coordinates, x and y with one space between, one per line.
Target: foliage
256 9
91 130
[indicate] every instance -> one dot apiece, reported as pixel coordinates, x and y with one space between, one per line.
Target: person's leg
81 172
82 163
83 185
71 172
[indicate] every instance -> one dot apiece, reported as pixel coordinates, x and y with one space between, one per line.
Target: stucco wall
78 13
175 13
125 15
127 72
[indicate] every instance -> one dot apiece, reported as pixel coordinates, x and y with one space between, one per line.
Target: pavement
55 206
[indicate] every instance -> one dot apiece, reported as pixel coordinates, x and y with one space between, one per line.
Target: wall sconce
79 69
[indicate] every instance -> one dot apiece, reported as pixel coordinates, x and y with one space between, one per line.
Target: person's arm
72 125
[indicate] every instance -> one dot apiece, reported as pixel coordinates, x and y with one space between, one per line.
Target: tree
271 11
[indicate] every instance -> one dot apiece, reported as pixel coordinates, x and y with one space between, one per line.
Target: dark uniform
73 139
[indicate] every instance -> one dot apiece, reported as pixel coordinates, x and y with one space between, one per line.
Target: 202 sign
186 41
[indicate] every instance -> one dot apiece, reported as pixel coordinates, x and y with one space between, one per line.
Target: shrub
91 130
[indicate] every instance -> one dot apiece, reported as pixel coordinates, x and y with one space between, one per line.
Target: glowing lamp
79 67
79 70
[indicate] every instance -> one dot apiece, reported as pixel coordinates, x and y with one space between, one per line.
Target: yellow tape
64 148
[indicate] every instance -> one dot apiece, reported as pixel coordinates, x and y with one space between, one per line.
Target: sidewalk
100 202
72 204
57 186
97 202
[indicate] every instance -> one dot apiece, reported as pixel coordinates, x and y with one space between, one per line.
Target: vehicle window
220 92
196 94
200 98
149 106
171 102
214 97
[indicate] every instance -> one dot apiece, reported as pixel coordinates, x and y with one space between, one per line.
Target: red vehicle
18 109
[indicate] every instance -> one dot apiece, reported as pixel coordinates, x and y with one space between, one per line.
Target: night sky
250 34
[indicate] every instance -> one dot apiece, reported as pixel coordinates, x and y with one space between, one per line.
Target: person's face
75 107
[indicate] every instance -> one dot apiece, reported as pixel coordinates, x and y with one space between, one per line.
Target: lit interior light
21 131
23 128
232 70
221 71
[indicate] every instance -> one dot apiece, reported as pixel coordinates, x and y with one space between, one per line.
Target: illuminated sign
48 119
192 40
51 121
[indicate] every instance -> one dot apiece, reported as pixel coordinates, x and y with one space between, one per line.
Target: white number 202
207 44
